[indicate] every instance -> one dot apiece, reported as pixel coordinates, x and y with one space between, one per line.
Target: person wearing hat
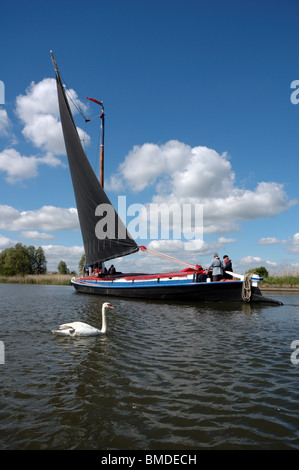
217 268
227 267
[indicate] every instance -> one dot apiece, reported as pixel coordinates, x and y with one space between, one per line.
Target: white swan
79 328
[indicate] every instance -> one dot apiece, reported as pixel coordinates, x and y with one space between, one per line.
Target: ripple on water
166 376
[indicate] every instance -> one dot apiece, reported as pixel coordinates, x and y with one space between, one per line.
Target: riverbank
46 279
279 289
286 283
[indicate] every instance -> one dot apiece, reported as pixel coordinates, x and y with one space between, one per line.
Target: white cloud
143 165
185 175
114 183
293 247
256 261
270 241
38 111
18 167
71 255
35 235
6 242
47 218
197 171
50 160
226 240
5 124
292 244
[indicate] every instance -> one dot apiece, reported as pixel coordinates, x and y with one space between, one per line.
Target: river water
166 376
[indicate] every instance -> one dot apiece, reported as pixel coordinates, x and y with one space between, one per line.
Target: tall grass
288 278
53 278
286 281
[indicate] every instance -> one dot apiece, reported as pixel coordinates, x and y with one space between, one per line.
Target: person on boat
96 269
111 269
227 267
201 274
85 269
217 268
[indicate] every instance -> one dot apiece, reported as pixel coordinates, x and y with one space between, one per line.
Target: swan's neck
104 321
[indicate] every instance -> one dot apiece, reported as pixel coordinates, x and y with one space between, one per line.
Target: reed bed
50 278
281 281
289 277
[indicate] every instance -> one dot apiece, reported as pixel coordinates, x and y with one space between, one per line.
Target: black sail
111 239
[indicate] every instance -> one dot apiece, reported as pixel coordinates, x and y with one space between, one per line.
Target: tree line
22 259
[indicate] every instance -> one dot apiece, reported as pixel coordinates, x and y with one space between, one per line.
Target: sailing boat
182 285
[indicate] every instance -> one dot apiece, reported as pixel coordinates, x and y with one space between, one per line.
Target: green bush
261 271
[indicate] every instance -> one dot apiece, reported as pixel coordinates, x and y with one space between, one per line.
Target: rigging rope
246 287
73 100
168 257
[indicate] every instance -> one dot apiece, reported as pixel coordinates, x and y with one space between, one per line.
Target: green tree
15 260
261 271
38 263
62 268
81 263
22 260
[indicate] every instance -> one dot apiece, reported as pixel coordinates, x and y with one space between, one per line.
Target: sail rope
168 257
246 288
75 103
74 100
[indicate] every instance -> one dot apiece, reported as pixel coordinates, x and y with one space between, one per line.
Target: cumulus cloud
6 242
182 174
226 240
38 111
16 166
256 261
5 123
71 255
47 218
293 247
36 235
179 168
19 167
271 241
145 164
292 244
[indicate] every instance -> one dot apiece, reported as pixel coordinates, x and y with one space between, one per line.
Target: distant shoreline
40 279
280 289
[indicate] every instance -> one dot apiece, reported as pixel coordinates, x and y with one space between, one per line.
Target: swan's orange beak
110 306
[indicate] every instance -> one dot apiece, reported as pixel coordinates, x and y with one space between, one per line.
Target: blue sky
198 106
